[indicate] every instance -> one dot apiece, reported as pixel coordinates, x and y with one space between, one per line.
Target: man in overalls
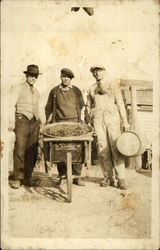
64 104
105 104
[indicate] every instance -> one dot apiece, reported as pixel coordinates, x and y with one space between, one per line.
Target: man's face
66 81
98 74
31 79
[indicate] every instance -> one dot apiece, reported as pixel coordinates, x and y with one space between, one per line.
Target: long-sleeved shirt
64 104
110 101
23 100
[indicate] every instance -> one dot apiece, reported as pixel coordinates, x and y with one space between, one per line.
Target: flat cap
67 72
93 68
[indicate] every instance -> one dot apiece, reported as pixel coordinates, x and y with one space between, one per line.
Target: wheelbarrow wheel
69 176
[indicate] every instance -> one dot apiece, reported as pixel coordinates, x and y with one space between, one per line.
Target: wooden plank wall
143 115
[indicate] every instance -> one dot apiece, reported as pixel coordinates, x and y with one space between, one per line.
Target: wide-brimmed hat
32 69
97 67
67 72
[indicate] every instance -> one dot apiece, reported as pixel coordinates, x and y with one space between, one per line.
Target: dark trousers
61 166
26 146
76 168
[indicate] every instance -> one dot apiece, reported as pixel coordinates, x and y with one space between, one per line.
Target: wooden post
89 154
134 123
85 153
87 158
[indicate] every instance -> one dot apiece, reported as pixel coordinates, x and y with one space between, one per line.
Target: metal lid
129 143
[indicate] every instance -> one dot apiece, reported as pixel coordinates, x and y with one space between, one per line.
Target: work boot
30 182
16 184
78 182
107 182
62 180
121 184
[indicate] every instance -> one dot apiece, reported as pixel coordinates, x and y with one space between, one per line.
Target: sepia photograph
80 122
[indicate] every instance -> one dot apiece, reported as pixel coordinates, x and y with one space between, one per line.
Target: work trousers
26 146
107 128
61 166
62 170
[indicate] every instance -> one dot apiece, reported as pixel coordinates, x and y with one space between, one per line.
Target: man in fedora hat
105 104
64 104
24 121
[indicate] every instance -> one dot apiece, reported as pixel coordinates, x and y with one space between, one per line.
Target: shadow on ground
93 179
52 194
49 187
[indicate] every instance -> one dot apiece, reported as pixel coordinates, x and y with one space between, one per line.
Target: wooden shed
144 99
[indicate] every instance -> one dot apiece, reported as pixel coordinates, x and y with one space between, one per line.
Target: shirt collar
65 88
102 82
28 85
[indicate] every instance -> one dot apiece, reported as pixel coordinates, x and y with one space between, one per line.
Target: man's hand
94 133
11 127
126 126
39 121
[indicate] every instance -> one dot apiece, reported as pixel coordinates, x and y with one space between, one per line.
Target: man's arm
80 97
88 108
121 107
49 105
80 103
13 97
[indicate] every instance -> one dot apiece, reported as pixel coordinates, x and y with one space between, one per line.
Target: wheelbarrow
68 149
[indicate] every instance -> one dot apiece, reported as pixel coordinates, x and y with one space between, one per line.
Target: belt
32 119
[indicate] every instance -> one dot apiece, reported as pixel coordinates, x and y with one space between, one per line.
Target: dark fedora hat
32 69
67 72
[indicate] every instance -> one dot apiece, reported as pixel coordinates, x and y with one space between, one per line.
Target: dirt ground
95 212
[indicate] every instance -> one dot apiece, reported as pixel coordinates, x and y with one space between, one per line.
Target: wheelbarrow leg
69 176
44 157
87 157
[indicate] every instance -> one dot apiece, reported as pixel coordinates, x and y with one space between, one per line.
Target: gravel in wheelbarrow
67 129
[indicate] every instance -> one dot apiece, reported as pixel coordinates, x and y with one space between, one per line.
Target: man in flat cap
64 104
25 122
106 107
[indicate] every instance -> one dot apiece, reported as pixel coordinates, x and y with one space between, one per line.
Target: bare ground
95 212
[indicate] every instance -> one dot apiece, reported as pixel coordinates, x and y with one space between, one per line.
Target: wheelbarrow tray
65 138
60 145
